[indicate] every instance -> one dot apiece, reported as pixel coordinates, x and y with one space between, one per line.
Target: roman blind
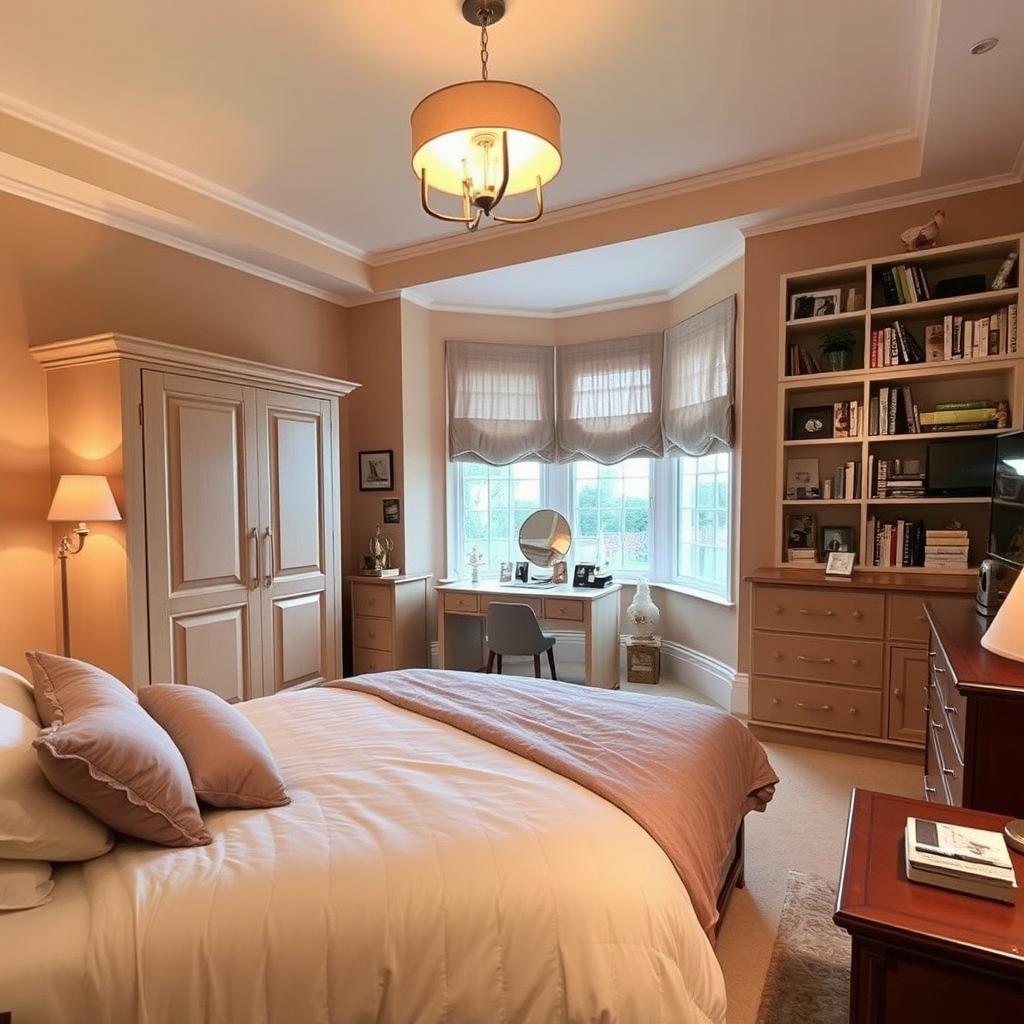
609 399
501 402
699 387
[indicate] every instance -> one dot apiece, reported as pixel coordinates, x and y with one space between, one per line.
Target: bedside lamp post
78 499
1005 636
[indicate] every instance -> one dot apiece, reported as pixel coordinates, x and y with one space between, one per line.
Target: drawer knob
857 614
854 711
777 655
813 707
373 632
855 662
898 693
922 618
777 609
949 710
776 701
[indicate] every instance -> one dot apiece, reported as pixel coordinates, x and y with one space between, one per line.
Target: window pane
611 514
703 548
495 502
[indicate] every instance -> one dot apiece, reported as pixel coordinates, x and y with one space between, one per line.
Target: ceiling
276 135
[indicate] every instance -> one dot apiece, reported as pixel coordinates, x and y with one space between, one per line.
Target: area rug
808 980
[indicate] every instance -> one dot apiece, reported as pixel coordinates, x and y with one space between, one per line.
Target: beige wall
968 217
62 277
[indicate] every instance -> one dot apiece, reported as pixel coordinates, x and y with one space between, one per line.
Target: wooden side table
922 953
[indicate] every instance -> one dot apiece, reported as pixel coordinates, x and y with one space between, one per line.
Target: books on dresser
968 860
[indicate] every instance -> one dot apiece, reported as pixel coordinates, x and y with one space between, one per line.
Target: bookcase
867 303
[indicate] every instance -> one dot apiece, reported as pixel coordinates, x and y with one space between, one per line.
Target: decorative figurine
378 562
926 235
474 560
643 612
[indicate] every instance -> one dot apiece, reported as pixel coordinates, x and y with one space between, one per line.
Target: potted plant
836 348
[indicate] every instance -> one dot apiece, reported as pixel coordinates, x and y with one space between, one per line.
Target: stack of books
977 414
845 482
946 549
808 556
894 346
800 362
846 418
893 411
903 283
995 334
967 860
890 479
898 545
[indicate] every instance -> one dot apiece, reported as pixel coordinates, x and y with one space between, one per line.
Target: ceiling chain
483 44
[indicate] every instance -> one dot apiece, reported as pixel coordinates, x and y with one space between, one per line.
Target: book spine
947 337
1012 328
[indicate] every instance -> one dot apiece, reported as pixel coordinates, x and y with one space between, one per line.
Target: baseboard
741 695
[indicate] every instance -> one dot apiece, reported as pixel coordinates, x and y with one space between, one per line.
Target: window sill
679 588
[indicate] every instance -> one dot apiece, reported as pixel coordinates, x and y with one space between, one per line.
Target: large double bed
420 874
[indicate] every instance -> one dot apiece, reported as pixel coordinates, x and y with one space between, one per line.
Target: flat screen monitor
961 468
1006 533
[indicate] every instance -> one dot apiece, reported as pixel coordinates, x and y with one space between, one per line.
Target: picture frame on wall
809 305
391 511
377 470
811 423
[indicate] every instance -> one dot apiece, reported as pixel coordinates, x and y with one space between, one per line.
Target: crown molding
801 220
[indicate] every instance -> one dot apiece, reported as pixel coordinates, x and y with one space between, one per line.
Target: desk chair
513 629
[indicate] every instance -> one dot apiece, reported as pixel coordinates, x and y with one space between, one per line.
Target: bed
420 874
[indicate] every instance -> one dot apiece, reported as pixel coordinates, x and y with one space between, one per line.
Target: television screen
961 469
1006 534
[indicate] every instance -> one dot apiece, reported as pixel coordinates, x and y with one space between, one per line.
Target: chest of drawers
389 623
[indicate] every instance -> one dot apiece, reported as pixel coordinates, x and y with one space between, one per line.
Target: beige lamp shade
83 499
1005 636
447 128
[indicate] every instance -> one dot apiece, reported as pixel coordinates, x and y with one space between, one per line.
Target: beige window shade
699 388
501 403
609 399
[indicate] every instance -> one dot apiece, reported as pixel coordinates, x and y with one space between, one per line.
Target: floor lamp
78 499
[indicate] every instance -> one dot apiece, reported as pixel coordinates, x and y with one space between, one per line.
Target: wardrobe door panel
299 649
202 512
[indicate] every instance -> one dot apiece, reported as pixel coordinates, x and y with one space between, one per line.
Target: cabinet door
201 525
908 693
299 524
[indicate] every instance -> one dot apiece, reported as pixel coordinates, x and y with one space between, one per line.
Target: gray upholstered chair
513 629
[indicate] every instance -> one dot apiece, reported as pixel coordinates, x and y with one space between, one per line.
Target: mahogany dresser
920 953
975 755
837 661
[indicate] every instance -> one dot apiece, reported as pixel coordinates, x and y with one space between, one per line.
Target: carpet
808 979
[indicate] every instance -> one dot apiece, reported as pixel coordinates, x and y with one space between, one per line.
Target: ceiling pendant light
485 140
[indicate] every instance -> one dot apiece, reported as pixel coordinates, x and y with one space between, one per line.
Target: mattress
419 875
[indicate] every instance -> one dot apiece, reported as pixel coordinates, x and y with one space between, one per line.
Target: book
946 416
934 343
979 403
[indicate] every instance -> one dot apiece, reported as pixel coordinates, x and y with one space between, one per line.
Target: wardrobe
226 570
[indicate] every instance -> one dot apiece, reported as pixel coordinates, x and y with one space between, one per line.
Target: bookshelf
857 298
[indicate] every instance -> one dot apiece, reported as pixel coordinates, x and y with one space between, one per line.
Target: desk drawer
368 599
467 603
907 620
817 706
374 634
533 602
856 662
817 610
372 661
948 703
567 609
946 764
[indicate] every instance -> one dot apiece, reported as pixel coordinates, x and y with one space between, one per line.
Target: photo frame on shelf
811 423
522 572
810 305
582 573
801 531
840 563
803 480
377 470
505 572
837 539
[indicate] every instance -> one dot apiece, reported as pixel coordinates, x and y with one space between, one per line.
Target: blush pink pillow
229 761
107 755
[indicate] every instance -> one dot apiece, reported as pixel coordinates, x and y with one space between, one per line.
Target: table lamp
1005 636
78 499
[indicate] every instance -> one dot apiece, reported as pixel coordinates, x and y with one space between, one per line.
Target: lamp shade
1005 636
448 124
82 499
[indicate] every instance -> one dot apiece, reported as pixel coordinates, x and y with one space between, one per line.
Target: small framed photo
812 423
806 305
377 471
505 572
582 573
391 511
836 539
840 563
560 573
522 572
801 531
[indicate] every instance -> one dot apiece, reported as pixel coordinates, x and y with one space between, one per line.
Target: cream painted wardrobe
226 572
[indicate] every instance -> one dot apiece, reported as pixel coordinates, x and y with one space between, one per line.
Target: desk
462 612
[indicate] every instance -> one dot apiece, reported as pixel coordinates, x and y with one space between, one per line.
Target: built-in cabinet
229 486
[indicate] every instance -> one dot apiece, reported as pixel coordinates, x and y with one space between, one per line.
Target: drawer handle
938 726
949 710
813 661
922 618
929 789
813 707
898 693
818 615
949 771
939 671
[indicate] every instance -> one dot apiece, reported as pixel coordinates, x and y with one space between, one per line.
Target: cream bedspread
419 875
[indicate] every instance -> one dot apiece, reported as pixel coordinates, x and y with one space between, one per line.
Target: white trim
924 70
702 273
710 677
741 694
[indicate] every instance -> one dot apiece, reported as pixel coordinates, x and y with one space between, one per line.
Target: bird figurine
926 235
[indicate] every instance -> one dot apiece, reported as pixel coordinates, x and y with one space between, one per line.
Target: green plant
842 340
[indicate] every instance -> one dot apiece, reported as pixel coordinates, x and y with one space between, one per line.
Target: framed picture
392 510
801 531
581 573
560 573
522 572
811 423
505 572
377 471
836 539
806 305
802 479
840 563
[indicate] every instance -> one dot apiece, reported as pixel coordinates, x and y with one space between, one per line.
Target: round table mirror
545 537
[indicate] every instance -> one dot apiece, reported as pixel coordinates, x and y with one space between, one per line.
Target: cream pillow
36 823
16 692
24 884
